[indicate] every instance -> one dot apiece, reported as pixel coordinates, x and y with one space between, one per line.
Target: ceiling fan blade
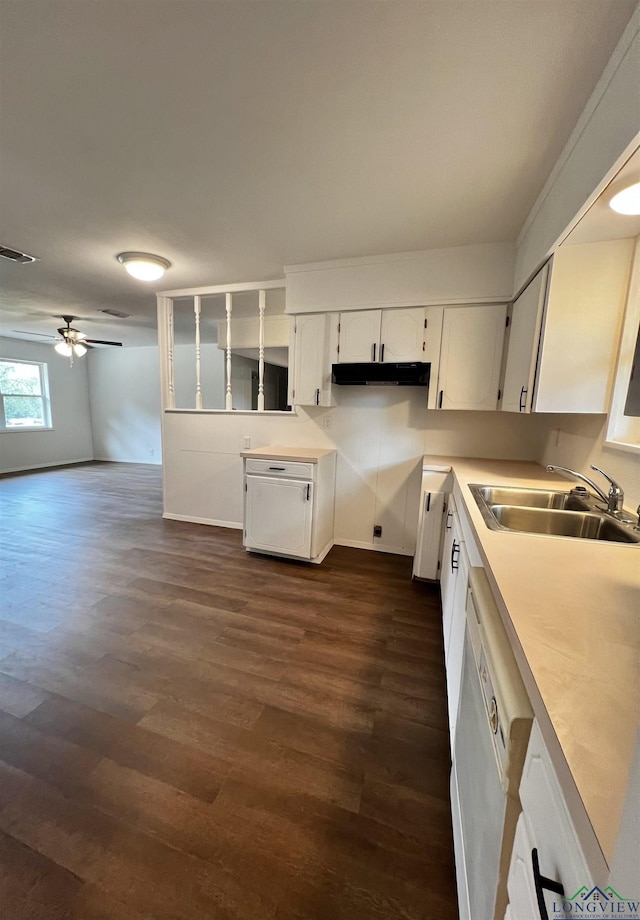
40 335
99 342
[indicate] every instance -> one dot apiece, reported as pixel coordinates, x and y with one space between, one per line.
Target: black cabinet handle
318 396
523 405
280 469
447 525
382 352
428 505
308 491
455 548
542 882
373 352
440 399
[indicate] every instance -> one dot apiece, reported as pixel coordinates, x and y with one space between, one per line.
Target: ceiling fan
75 343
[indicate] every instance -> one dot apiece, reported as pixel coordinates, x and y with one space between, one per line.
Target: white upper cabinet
310 354
565 330
402 335
359 341
471 356
524 334
383 336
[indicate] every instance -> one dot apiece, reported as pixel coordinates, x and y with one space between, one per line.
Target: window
24 395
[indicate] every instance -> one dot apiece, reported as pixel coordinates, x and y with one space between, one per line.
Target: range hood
382 375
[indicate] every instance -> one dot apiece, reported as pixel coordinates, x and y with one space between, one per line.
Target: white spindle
196 310
172 395
228 305
261 303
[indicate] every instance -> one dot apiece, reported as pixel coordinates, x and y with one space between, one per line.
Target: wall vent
14 255
116 313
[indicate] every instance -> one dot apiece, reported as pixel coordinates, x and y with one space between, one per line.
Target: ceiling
235 137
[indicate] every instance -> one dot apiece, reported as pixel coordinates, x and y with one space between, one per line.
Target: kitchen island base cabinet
288 505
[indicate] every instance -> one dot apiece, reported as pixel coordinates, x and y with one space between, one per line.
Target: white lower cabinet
288 508
436 484
279 515
450 563
454 639
454 580
546 827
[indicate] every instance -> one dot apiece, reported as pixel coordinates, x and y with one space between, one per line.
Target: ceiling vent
116 313
15 255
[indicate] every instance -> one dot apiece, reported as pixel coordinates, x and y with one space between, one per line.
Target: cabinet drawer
291 469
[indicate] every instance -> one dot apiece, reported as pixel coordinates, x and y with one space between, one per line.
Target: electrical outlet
377 530
326 422
246 442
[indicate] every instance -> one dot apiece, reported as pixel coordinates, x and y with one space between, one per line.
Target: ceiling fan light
627 201
143 265
78 349
64 348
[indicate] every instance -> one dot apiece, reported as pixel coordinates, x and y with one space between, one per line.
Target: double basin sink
559 514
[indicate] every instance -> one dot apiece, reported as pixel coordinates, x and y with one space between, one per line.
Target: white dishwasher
288 507
491 736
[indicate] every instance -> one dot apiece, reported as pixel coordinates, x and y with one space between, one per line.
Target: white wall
577 441
605 130
381 436
70 439
124 387
481 273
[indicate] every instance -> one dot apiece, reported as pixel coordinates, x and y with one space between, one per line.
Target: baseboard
376 548
234 525
137 462
46 466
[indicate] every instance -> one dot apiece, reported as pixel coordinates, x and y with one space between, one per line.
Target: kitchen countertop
301 454
572 612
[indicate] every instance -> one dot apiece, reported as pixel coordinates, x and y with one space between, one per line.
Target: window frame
43 370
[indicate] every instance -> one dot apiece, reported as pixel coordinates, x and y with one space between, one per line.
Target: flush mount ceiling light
627 201
143 265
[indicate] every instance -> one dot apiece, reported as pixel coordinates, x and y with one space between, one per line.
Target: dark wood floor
190 732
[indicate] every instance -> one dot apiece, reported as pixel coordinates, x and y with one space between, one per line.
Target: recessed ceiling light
627 201
143 265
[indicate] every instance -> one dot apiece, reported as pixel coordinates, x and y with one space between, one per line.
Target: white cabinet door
278 515
309 357
471 357
402 335
454 648
425 562
549 826
522 892
522 349
451 552
359 337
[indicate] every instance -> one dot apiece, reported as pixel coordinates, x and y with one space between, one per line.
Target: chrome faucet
614 499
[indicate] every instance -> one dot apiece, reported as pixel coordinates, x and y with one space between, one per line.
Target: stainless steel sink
584 524
529 498
546 511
